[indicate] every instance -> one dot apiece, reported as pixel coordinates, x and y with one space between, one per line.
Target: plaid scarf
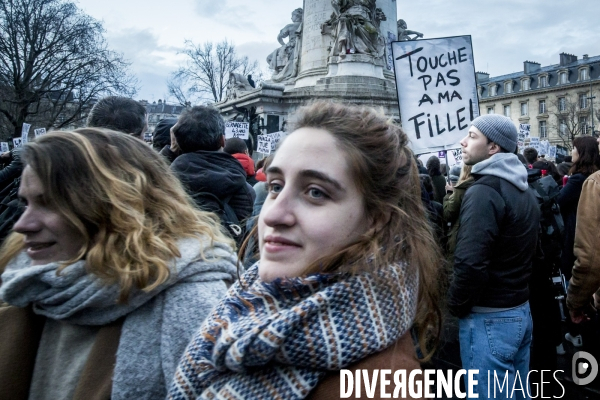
276 340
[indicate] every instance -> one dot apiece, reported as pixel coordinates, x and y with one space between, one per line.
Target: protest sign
25 132
237 130
39 132
437 92
263 144
272 138
544 148
524 131
457 155
452 160
4 147
17 142
552 151
441 154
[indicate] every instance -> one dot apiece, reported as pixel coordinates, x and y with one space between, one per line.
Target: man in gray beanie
495 245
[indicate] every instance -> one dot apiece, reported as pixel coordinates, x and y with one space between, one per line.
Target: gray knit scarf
77 297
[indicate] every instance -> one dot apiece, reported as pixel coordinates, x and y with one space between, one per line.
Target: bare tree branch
206 71
54 63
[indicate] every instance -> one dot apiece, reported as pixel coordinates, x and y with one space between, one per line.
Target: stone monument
335 49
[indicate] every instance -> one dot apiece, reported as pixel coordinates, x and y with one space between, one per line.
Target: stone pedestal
350 78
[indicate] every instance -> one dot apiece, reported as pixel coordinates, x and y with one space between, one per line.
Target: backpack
551 231
229 220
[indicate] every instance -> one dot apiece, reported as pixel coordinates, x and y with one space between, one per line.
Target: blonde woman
108 273
347 266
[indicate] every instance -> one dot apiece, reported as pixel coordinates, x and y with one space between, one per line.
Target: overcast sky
505 33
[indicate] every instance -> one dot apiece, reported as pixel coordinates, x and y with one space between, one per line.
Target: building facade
159 110
556 100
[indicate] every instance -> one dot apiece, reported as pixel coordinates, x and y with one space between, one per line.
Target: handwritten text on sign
437 91
236 130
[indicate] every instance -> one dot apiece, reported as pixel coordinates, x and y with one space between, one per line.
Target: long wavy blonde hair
386 175
122 198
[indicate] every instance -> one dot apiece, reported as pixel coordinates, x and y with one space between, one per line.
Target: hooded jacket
497 238
217 173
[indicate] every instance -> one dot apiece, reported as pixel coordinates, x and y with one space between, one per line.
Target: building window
543 81
507 111
508 87
492 90
490 110
583 125
583 74
524 109
525 84
543 107
562 127
562 78
582 100
562 104
543 131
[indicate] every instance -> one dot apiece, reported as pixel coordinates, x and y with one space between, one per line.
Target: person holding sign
103 271
496 242
342 227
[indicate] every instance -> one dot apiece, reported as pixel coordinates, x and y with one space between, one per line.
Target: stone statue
284 61
237 83
404 33
354 25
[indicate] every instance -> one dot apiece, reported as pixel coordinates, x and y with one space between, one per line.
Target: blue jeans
498 341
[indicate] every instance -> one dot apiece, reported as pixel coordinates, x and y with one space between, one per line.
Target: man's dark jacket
217 173
497 238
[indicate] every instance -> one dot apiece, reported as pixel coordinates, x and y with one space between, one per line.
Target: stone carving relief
354 26
237 83
404 34
285 60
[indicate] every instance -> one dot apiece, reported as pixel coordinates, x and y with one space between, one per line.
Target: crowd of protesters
189 269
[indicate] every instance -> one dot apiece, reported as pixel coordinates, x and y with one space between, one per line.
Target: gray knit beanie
499 129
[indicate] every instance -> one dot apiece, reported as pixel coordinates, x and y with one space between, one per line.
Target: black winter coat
567 199
496 243
217 173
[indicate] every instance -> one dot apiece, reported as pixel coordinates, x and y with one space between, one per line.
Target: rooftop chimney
585 57
482 76
566 59
530 67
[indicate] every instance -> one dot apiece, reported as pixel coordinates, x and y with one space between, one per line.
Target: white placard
552 151
237 130
437 92
39 132
17 142
4 147
272 138
524 131
25 132
457 155
263 144
544 147
452 160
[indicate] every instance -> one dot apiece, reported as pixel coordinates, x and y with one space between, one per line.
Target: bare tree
54 63
206 72
571 120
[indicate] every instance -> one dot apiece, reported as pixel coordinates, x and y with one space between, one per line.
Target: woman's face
48 235
313 208
574 154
